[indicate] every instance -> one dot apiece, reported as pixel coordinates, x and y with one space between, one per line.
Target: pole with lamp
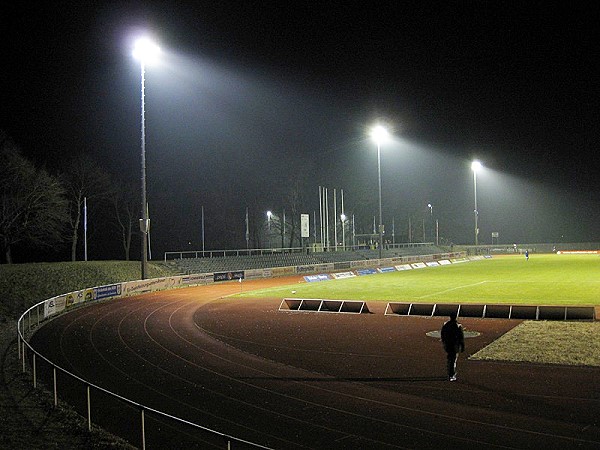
430 206
475 167
144 51
379 134
269 215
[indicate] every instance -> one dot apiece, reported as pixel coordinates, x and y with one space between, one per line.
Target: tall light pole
144 51
475 166
430 206
269 215
379 134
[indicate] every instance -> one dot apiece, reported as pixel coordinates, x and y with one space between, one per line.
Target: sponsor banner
459 260
281 271
444 262
354 264
366 271
198 278
575 252
341 275
313 278
155 284
387 269
403 267
319 268
55 305
488 256
228 276
304 225
112 290
74 297
418 265
257 273
432 264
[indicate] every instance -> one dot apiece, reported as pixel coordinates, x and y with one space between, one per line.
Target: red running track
292 380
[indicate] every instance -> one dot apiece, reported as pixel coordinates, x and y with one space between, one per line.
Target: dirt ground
309 380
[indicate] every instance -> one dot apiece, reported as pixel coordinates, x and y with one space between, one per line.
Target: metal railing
314 249
30 320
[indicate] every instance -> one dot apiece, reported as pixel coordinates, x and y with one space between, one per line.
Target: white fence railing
47 309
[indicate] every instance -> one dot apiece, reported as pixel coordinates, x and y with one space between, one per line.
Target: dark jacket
453 337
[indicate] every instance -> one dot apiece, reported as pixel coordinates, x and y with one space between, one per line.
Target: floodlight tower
379 134
475 167
145 51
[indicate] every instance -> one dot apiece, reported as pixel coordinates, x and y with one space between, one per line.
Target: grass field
547 279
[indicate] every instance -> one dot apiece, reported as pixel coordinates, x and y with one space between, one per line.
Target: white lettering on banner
432 264
444 262
418 265
403 267
341 275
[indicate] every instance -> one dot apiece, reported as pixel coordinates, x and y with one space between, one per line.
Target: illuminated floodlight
379 134
145 50
476 166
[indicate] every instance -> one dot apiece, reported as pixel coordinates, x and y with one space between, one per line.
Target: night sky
250 98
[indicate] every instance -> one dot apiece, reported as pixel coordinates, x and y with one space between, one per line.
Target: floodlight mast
476 166
145 51
379 134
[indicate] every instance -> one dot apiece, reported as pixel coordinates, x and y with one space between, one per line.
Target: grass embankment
22 285
30 419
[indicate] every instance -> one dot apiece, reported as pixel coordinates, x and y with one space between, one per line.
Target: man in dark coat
453 339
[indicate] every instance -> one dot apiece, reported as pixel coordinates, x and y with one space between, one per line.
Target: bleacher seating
280 259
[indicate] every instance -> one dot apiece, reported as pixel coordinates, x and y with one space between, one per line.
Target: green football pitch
547 279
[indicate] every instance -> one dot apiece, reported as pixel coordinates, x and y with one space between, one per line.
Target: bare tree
85 179
33 208
125 213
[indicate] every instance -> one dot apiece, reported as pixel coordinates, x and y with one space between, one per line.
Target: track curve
306 380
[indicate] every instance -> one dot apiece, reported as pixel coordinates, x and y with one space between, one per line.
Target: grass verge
546 342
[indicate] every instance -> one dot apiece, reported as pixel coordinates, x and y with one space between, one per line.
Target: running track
292 380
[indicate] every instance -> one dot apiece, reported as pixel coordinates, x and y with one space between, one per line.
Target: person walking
453 340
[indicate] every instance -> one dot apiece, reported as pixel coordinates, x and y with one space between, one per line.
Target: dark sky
251 96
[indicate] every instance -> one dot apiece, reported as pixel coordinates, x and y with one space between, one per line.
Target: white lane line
453 289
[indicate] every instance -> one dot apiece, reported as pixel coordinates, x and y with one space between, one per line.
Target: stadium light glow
379 134
145 50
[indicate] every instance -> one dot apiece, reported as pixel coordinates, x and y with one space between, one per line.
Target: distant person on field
527 255
453 339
